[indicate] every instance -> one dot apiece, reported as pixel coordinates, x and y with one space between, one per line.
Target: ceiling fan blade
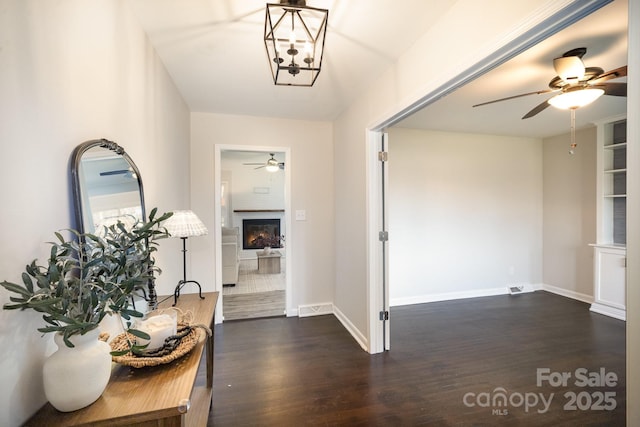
116 172
253 164
259 167
613 74
539 108
538 92
614 89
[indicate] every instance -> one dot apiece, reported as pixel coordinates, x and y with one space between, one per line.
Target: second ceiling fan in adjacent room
271 165
578 85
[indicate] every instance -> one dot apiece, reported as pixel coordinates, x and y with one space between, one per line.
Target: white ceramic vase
76 377
267 250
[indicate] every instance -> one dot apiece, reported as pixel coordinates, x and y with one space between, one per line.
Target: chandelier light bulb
308 53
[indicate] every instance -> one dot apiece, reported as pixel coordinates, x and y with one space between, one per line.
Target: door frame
288 257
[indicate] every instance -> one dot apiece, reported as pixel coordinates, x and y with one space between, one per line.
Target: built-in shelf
610 252
615 146
612 180
615 170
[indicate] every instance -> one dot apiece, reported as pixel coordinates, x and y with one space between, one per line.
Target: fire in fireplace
258 233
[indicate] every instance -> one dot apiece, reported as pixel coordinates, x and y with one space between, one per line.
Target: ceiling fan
578 85
272 165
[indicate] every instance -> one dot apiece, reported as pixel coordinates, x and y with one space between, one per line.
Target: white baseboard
523 288
609 311
328 308
605 310
568 293
421 299
350 327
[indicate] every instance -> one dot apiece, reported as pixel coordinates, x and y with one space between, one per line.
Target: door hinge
383 236
383 156
384 315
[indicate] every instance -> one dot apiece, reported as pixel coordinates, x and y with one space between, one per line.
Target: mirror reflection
107 186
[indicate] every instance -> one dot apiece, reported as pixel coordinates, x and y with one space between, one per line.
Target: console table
151 396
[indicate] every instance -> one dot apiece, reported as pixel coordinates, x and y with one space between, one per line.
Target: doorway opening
379 337
253 227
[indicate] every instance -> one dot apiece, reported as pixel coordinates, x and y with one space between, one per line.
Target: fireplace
258 233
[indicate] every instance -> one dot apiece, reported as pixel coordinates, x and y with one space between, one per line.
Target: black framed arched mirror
107 186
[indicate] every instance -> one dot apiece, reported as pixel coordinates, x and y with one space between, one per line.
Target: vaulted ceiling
214 51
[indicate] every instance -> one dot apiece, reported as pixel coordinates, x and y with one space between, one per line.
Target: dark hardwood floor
449 365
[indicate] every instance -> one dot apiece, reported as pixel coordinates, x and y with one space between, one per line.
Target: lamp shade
185 224
569 68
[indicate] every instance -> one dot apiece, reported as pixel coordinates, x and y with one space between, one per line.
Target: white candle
159 328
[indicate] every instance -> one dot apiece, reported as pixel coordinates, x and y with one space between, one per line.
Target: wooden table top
142 394
272 254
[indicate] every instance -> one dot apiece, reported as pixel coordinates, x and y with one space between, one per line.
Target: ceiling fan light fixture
272 165
579 97
294 35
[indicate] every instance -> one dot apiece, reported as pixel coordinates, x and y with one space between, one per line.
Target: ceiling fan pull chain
573 131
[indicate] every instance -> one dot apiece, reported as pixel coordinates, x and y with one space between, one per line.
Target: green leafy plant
90 276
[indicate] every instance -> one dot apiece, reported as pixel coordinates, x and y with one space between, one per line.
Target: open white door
378 247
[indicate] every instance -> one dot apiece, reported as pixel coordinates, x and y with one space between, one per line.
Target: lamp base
181 283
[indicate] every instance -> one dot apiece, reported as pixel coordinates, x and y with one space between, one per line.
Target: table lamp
184 224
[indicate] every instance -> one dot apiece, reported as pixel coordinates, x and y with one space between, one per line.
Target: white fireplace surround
236 221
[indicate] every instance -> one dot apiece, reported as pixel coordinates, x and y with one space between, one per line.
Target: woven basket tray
187 344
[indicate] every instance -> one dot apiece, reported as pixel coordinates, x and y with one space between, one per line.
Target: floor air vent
315 310
515 290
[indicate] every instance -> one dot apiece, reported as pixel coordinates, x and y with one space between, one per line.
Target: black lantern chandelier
294 38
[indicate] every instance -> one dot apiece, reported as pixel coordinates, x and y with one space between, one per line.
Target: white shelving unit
610 248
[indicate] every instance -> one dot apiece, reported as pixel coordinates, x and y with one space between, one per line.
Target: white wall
350 192
502 210
569 214
309 242
70 71
465 214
